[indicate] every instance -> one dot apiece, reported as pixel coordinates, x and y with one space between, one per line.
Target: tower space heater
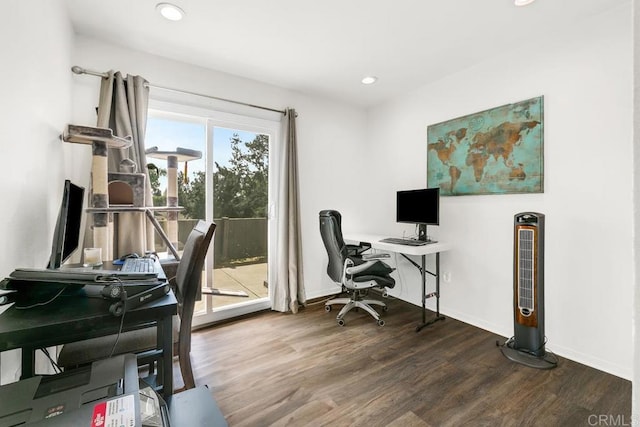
527 346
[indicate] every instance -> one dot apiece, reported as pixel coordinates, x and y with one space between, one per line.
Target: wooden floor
304 369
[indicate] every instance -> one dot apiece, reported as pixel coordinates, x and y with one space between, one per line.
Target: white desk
404 250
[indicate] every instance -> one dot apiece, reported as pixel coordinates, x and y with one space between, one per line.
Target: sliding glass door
240 205
230 184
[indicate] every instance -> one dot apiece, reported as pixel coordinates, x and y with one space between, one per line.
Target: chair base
351 303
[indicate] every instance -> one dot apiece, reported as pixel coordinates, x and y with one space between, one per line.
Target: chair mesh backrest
189 273
331 232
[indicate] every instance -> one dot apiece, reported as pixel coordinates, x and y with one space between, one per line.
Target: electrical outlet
446 277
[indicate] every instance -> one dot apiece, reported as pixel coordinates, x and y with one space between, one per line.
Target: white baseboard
322 293
568 353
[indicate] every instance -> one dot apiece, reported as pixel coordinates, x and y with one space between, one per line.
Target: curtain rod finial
77 70
288 111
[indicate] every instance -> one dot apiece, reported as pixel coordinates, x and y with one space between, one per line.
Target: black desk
72 318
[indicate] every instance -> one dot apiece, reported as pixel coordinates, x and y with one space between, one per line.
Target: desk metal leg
28 362
165 367
423 272
434 294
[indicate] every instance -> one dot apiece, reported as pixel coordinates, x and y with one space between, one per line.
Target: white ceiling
325 47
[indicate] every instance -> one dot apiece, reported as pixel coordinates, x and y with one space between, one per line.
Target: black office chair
355 271
143 341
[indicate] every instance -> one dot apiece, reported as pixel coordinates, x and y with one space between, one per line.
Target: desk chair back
331 232
186 285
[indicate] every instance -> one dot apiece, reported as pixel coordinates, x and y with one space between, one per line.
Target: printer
106 394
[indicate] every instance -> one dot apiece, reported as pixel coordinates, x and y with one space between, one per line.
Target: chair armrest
361 267
358 249
382 255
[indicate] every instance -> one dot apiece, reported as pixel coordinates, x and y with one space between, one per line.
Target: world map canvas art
497 151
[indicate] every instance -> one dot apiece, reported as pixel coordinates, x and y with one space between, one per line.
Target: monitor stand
422 232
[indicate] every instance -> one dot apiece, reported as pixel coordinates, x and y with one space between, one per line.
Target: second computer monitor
420 207
66 235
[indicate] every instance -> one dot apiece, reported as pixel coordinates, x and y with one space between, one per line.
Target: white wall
35 86
330 135
586 79
636 216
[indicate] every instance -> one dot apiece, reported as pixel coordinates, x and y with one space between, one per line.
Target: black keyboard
406 242
138 265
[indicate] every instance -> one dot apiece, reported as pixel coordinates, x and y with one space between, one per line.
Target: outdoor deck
249 278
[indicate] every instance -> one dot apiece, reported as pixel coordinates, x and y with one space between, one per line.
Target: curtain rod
79 70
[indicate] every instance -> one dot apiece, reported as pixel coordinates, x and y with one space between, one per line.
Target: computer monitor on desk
421 207
67 232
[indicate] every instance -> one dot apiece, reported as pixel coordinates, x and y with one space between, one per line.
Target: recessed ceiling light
369 80
522 2
170 11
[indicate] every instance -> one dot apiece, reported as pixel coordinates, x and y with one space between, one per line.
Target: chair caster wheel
380 322
327 308
385 308
340 322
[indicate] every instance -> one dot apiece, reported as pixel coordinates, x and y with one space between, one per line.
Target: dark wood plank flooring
304 369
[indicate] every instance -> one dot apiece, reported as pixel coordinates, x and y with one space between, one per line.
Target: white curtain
288 293
123 107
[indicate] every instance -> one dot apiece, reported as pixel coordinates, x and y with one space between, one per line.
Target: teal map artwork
497 151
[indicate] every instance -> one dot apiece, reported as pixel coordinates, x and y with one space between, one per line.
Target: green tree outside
191 195
240 189
159 198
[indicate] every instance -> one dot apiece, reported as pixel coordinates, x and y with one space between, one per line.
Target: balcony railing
237 241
